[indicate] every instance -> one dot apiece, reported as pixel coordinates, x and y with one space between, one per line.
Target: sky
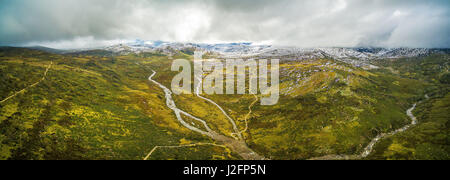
69 24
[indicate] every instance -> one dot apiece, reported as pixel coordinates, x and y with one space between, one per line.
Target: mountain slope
100 105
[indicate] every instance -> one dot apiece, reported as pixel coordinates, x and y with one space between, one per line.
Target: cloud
307 23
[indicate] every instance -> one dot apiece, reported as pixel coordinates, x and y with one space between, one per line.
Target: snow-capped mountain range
242 50
229 49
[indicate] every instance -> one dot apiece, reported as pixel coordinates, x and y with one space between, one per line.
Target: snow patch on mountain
355 56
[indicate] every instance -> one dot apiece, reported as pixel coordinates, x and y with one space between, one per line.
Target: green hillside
100 105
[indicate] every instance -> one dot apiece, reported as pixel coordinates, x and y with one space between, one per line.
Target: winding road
181 146
237 145
35 84
197 92
250 110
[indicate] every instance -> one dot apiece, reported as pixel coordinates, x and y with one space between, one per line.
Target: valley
115 103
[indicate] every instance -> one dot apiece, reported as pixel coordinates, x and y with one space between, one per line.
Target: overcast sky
302 23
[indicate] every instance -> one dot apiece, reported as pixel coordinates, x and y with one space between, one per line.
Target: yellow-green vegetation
89 107
100 105
430 138
326 107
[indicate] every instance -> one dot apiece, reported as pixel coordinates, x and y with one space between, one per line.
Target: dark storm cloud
308 23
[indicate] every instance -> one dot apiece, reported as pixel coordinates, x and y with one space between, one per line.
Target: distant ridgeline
99 103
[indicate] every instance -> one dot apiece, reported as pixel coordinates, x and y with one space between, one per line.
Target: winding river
237 145
369 148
